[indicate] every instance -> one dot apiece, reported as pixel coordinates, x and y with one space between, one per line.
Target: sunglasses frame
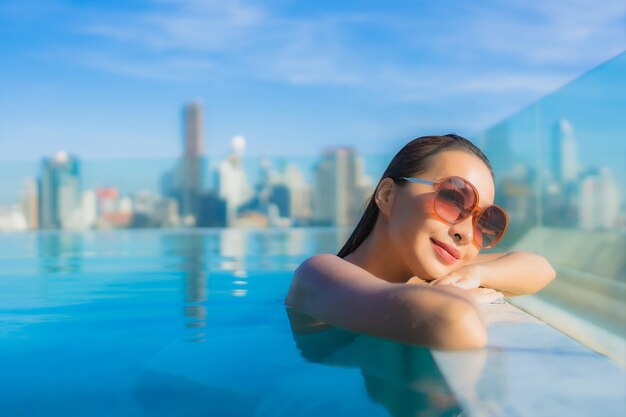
474 213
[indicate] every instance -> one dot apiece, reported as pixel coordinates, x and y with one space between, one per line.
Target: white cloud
167 69
570 32
516 50
189 25
510 83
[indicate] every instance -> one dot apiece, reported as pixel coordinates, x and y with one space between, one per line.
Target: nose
462 233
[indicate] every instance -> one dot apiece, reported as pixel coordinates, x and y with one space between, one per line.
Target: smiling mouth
450 251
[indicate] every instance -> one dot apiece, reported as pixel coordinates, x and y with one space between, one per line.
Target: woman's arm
342 294
512 273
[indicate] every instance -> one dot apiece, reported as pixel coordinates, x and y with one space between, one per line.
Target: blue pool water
187 323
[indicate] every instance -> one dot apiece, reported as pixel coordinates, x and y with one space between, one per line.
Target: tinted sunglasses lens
492 223
455 200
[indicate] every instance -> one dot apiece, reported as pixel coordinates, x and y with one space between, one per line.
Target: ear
385 195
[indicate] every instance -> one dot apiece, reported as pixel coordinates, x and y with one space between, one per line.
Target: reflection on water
189 250
196 254
60 252
404 379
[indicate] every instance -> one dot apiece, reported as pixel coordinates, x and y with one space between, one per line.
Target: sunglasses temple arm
417 180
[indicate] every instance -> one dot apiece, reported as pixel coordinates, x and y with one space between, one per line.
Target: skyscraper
599 200
59 192
192 163
340 188
193 130
29 203
299 194
232 183
564 152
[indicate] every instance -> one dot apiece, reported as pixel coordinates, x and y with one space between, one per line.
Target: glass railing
560 172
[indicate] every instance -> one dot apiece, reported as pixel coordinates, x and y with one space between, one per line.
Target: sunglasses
456 200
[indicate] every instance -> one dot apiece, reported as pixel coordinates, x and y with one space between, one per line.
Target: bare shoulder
327 274
329 267
321 261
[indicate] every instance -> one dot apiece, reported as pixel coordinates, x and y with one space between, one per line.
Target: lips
447 252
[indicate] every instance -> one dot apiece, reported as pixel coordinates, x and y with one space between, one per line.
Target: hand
487 296
416 280
467 277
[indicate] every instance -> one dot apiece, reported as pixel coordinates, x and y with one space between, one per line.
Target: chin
433 272
439 271
438 274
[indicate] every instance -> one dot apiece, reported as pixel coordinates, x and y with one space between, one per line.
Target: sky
108 79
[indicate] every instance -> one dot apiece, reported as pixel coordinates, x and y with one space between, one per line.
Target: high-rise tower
192 161
565 152
232 183
59 192
29 201
341 188
599 200
193 134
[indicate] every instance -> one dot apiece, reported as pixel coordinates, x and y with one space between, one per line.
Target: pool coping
528 368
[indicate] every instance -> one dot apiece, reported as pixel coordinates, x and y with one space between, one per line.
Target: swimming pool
188 323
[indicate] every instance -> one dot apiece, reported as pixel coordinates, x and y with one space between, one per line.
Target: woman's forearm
516 273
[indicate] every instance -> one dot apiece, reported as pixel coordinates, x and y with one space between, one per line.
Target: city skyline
573 194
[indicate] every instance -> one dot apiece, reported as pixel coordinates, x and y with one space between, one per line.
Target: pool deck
530 369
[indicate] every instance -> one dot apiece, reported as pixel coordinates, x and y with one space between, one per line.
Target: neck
377 256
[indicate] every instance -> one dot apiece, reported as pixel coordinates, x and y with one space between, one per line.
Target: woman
425 224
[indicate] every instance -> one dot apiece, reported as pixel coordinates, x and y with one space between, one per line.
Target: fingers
458 281
449 280
416 280
487 296
467 284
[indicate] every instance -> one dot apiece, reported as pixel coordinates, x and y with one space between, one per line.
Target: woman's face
432 248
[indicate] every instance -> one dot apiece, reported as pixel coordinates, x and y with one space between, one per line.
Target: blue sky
108 79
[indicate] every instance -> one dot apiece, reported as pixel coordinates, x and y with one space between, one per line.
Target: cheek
408 220
411 231
402 227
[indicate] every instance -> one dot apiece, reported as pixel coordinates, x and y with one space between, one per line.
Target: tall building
193 130
299 194
29 203
341 189
564 152
191 166
232 182
60 192
599 200
89 206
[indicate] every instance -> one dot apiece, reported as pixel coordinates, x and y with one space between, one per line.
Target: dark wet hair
413 159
